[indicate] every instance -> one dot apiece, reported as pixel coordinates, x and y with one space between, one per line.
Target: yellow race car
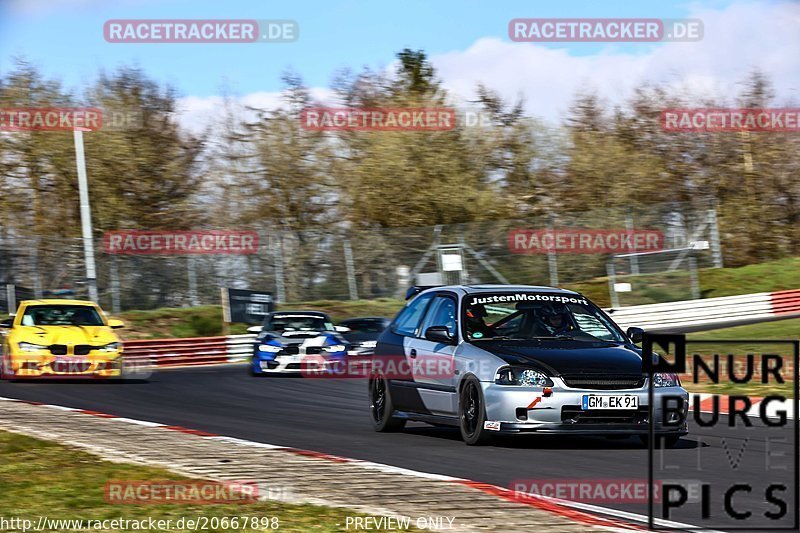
60 339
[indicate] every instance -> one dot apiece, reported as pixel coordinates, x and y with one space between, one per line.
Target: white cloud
737 39
196 113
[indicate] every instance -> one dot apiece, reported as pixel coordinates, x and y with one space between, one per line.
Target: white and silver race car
290 341
493 359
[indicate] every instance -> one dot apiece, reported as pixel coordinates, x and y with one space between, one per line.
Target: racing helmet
476 312
549 311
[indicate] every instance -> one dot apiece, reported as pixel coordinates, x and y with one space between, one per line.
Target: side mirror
439 334
116 324
342 329
635 334
254 329
7 322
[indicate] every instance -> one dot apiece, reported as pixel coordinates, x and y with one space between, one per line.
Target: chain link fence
560 249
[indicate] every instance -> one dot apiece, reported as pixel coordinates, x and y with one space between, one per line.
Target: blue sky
467 40
66 39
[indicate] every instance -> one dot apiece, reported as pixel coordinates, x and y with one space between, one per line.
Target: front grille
290 350
70 367
604 382
575 415
314 350
83 349
58 349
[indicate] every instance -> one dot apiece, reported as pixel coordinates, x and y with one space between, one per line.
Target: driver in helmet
555 319
476 326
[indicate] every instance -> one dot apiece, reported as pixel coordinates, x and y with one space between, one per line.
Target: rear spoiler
416 289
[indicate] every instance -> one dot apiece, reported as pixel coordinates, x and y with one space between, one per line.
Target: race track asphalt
330 416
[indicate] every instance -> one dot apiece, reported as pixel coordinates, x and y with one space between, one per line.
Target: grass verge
777 330
770 276
206 320
41 478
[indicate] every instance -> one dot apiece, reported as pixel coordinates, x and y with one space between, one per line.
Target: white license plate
609 401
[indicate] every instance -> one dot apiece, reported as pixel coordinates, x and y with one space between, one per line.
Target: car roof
57 301
366 318
478 289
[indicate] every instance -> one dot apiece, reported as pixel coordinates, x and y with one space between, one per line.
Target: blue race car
293 341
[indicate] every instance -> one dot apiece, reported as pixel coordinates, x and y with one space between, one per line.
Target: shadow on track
62 382
552 442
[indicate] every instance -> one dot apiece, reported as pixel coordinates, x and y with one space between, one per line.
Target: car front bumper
313 366
516 409
21 367
278 365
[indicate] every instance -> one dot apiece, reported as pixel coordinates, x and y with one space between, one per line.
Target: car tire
472 414
381 407
668 441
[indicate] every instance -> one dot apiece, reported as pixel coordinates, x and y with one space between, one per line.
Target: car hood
289 338
567 356
47 335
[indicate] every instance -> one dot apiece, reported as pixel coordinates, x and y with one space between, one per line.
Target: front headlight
30 347
666 380
336 348
369 344
523 377
110 347
269 348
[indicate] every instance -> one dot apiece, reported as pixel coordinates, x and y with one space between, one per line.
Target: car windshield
366 326
300 323
529 315
61 315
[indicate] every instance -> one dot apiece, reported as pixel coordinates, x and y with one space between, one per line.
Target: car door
395 352
433 366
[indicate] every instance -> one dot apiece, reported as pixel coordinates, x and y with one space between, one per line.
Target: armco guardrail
190 351
689 315
240 347
710 313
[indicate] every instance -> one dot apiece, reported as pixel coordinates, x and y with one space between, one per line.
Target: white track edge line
414 473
